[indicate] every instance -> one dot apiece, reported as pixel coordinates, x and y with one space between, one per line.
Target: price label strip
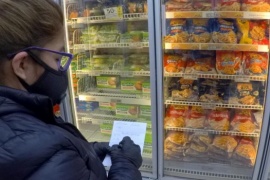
113 12
136 45
242 79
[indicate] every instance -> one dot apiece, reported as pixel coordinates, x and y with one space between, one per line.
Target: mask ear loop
43 64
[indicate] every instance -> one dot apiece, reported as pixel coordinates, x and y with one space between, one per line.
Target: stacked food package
214 92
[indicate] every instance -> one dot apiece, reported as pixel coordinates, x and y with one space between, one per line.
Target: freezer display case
214 58
112 75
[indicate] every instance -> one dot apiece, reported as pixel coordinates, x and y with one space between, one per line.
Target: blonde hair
26 23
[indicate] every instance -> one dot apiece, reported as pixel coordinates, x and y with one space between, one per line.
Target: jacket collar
14 100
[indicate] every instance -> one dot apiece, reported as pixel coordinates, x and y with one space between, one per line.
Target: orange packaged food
228 62
228 5
218 119
243 122
256 5
255 63
174 63
196 117
245 153
175 116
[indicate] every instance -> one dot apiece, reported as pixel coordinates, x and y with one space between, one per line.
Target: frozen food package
199 30
177 31
198 147
131 6
176 138
245 153
137 62
223 145
175 116
174 63
228 62
196 150
256 5
253 31
255 63
201 62
224 31
227 5
196 117
216 91
175 144
243 121
202 5
173 5
183 89
219 119
246 93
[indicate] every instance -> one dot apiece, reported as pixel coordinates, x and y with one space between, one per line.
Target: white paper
135 130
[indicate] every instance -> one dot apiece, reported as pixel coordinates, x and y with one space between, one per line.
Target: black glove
101 149
126 151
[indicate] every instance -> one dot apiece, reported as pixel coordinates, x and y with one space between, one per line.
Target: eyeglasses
63 62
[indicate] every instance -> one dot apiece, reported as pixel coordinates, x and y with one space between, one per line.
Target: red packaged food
242 121
219 119
174 63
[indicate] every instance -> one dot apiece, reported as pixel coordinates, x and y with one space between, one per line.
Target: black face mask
51 83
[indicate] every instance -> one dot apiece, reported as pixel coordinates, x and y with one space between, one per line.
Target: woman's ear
20 64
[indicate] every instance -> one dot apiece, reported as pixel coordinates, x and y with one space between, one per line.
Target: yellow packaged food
253 31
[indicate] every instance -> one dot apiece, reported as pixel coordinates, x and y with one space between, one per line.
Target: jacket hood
13 100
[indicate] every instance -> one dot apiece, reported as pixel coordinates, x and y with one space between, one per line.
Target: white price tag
208 106
89 98
256 15
213 47
191 76
136 45
201 133
210 14
242 79
113 12
116 100
127 74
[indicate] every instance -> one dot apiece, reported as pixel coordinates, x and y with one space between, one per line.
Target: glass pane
111 67
215 72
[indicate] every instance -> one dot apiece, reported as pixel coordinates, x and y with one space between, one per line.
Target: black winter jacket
34 146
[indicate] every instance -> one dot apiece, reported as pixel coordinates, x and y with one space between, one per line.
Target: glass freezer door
113 71
215 68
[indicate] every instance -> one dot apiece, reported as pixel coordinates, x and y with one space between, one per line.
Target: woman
34 144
